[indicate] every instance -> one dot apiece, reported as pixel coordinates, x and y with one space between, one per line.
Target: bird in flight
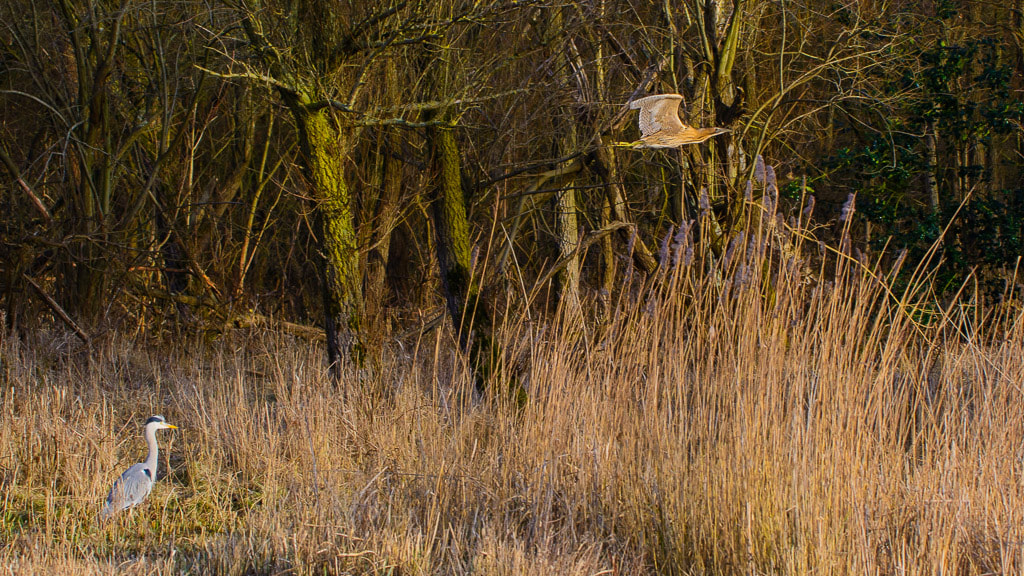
660 126
135 484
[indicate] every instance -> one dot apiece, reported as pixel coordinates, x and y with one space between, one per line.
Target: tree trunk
323 152
469 313
382 217
85 275
930 185
568 242
565 199
381 212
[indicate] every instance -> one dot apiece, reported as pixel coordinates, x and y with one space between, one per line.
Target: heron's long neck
154 452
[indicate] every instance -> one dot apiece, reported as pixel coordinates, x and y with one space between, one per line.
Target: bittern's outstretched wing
659 113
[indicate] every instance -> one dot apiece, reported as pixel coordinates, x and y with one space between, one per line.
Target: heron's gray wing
659 113
130 489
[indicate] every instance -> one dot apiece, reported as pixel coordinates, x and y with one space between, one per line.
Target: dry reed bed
713 427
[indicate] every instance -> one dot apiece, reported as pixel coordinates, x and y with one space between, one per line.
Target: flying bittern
660 126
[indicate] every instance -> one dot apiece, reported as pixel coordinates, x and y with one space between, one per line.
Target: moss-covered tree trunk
323 147
468 311
323 152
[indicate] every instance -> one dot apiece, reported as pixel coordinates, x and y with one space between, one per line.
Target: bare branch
57 309
251 75
439 104
13 169
361 27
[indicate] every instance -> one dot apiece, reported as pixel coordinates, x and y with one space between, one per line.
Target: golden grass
714 426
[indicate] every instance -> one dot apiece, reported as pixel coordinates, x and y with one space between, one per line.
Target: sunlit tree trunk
565 199
467 308
323 149
568 242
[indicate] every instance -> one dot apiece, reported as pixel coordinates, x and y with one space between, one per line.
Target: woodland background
794 348
174 163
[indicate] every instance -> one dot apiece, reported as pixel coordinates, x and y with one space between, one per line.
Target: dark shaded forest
358 169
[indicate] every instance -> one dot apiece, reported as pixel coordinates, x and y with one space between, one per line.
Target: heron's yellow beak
171 426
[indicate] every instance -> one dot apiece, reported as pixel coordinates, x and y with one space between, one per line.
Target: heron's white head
158 423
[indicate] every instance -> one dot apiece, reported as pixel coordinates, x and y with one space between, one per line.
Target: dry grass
714 427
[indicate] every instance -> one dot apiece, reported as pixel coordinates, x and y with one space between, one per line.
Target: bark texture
323 151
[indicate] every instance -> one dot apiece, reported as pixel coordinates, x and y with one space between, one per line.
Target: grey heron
135 484
660 126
